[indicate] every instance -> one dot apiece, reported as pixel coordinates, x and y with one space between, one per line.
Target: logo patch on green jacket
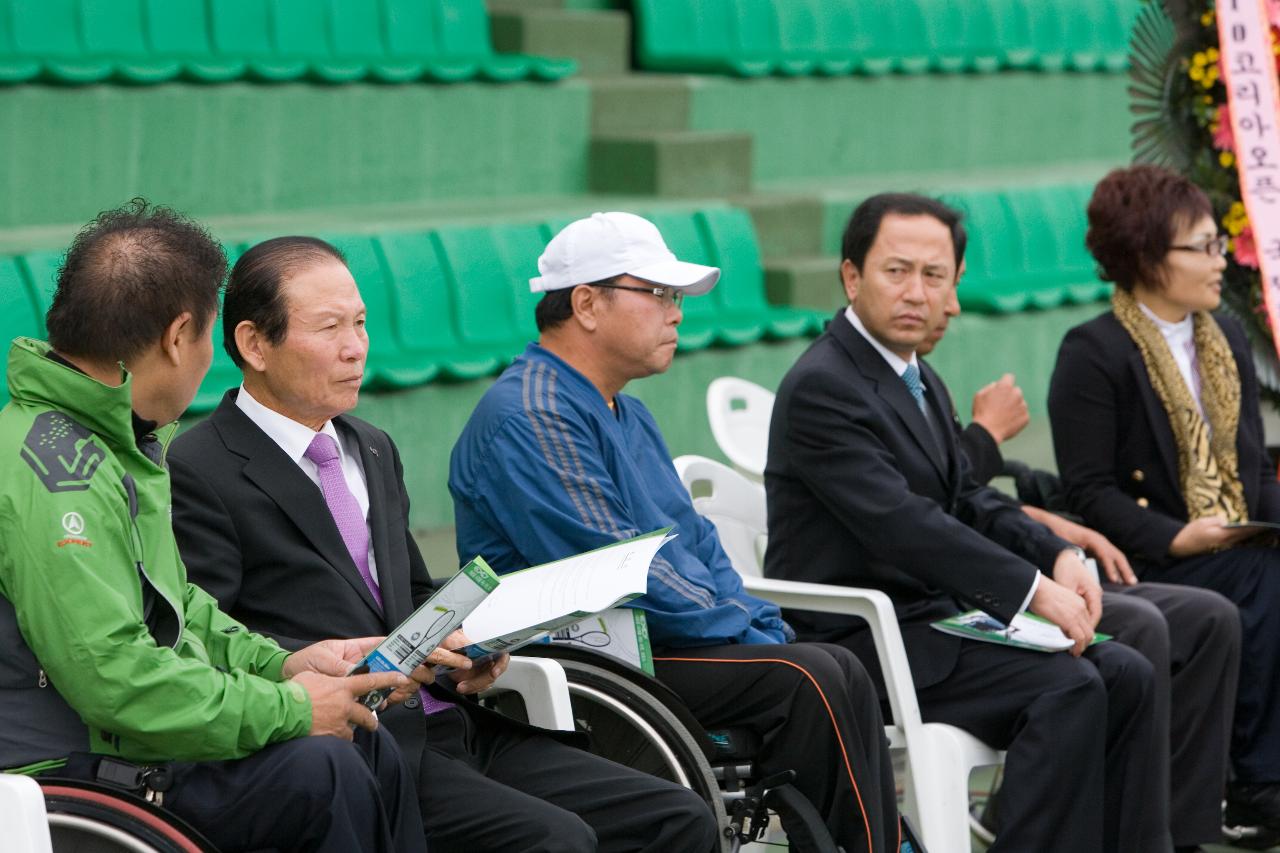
61 452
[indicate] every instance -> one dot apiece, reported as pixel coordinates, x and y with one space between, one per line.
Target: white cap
610 244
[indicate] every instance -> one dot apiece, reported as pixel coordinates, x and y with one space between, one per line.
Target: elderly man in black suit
293 514
867 487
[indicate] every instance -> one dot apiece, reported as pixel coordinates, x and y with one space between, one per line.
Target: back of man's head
127 276
863 226
255 290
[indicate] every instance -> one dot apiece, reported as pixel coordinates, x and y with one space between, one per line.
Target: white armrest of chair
545 690
22 814
869 604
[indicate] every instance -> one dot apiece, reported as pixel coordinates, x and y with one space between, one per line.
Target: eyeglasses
666 295
1214 246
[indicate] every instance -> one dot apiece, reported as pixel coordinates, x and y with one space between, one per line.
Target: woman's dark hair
128 274
556 306
254 293
1133 215
864 224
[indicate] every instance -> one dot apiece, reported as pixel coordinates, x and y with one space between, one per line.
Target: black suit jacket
1115 448
860 493
255 532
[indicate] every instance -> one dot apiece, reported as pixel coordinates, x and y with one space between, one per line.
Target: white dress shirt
294 439
1180 337
899 366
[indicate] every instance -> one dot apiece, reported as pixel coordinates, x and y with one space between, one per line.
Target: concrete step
640 102
599 40
806 281
675 164
786 224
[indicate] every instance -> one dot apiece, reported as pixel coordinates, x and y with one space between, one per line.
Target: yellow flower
1206 99
1198 58
1196 72
1227 159
1206 20
1211 54
1236 219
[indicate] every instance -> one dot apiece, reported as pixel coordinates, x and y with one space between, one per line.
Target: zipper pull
44 679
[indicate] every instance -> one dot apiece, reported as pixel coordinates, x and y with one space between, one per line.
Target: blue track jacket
544 469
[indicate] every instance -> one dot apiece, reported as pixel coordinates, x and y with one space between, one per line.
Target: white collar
1182 330
895 361
292 437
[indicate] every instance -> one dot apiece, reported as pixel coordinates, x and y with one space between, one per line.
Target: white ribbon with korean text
1249 74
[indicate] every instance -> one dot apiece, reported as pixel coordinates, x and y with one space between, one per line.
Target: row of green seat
334 41
454 302
752 38
1026 249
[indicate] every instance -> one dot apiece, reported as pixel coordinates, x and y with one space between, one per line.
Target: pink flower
1246 251
1223 138
1273 12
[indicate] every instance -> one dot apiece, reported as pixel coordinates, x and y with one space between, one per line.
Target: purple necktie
351 525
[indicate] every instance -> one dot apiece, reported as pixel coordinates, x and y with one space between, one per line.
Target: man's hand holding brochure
503 614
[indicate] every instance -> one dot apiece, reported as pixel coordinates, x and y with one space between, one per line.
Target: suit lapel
1157 417
890 387
280 478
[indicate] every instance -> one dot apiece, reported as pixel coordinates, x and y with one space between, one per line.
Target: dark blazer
255 532
982 451
1115 448
861 493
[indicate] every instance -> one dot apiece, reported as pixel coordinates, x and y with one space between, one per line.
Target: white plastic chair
939 758
22 815
739 412
540 682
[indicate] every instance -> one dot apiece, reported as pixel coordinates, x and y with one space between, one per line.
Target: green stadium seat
114 30
677 36
422 309
242 29
223 373
389 364
735 249
41 270
14 67
413 29
356 27
784 39
838 39
1012 32
1047 33
518 249
46 30
179 29
700 325
300 30
993 281
17 312
483 295
464 32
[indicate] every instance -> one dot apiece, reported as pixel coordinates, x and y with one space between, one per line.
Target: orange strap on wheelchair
839 738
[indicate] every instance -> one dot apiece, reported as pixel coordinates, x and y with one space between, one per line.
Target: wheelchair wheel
631 726
88 818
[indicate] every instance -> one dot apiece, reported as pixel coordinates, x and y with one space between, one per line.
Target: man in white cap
555 460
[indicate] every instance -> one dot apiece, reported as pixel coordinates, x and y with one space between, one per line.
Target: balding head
127 276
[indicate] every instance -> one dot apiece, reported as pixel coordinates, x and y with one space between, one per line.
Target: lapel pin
373 450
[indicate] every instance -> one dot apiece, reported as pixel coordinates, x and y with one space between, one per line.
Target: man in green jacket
113 664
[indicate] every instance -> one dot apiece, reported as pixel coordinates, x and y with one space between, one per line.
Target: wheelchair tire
629 725
88 818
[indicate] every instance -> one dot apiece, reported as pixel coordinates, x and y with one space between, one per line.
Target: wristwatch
1079 552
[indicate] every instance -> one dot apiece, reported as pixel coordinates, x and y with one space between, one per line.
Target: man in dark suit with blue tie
294 515
867 487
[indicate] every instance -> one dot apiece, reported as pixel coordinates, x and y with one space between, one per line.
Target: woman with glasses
1156 425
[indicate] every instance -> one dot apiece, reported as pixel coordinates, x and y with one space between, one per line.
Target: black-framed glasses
666 295
1214 246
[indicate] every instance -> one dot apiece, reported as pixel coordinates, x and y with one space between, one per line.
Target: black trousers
1080 737
313 794
816 712
1192 639
487 786
1249 578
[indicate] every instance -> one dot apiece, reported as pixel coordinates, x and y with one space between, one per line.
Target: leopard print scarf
1207 462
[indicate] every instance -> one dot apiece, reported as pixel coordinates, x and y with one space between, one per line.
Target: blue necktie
911 376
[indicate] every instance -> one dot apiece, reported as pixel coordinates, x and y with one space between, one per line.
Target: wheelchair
635 720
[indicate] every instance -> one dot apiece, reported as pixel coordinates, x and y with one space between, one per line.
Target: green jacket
106 647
